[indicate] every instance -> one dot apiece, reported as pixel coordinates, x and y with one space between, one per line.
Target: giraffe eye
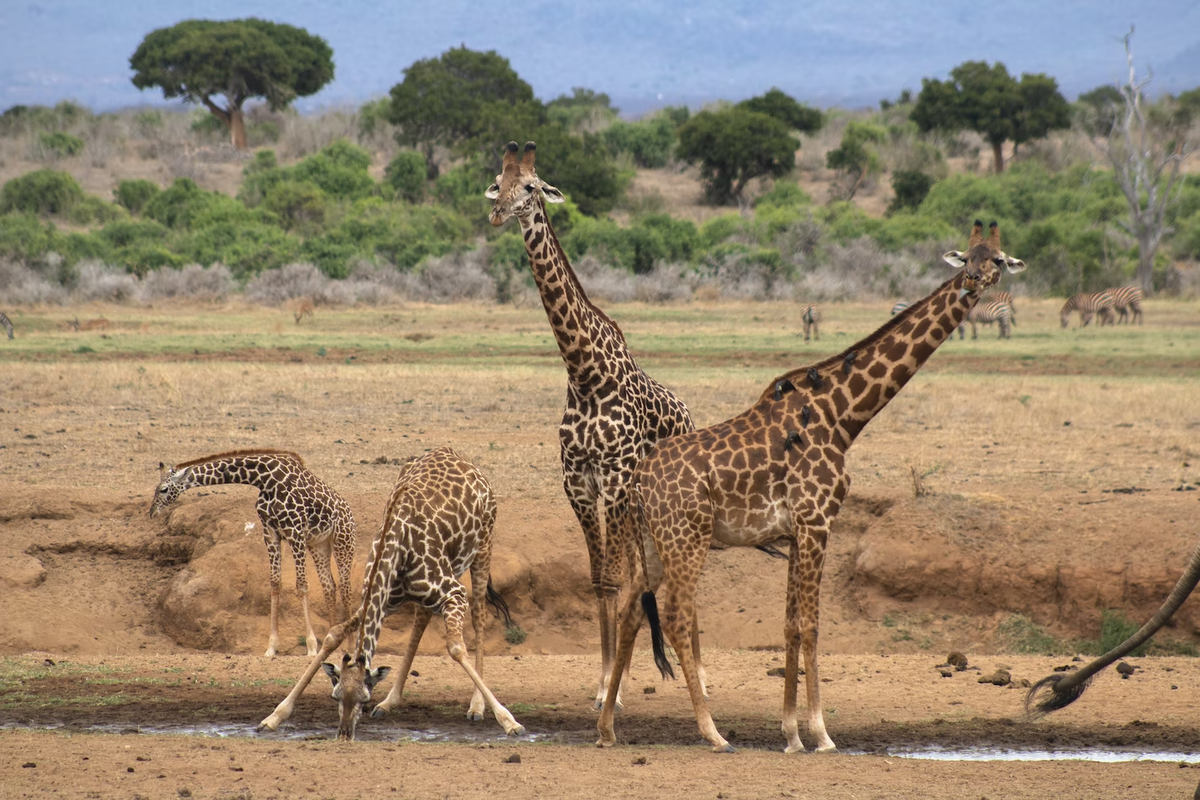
529 188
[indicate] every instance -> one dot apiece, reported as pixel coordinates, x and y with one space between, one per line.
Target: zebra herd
1124 302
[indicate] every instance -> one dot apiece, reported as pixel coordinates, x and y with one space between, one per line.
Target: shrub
24 238
451 278
92 209
406 174
135 194
339 170
277 286
648 142
784 194
179 205
246 247
60 145
297 204
97 281
193 282
910 187
21 285
44 191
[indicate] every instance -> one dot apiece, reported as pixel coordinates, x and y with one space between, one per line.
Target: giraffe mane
236 453
838 360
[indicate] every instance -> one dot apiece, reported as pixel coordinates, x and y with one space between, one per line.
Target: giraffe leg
298 558
581 494
677 614
343 553
455 611
632 617
275 562
800 633
321 563
480 569
392 700
332 639
618 538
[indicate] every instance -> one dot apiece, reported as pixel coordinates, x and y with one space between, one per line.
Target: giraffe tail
650 607
498 603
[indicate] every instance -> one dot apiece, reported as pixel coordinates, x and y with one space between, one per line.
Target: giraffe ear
331 671
376 675
493 191
955 258
1014 265
551 194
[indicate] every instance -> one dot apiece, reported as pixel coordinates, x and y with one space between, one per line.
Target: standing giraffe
438 525
778 470
294 506
810 315
615 412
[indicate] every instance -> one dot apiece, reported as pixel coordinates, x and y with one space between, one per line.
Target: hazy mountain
643 54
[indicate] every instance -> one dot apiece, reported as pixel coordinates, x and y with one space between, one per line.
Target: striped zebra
988 311
810 315
903 304
6 323
1127 300
1095 304
1006 297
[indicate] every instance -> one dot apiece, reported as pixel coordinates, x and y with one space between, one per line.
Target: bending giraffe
614 413
1089 305
779 470
294 506
438 525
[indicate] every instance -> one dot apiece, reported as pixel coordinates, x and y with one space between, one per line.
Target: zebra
1098 304
988 311
903 304
810 315
1006 297
1127 299
6 323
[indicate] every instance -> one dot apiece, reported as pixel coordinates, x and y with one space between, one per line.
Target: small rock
1126 669
28 765
1064 668
957 660
648 690
640 761
945 673
515 758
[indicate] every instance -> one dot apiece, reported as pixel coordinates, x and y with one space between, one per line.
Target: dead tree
1146 161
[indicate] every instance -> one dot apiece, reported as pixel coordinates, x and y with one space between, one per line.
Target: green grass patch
1019 634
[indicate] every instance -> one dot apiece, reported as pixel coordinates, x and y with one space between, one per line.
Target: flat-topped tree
199 59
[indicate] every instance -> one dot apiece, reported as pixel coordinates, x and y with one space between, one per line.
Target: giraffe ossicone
755 479
437 526
295 507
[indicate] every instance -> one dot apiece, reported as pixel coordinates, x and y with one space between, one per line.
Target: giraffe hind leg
389 703
456 608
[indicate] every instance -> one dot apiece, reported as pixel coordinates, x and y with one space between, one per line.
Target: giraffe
778 470
294 506
1095 304
438 524
614 412
810 315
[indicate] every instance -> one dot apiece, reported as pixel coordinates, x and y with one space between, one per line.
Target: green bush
339 170
135 194
784 194
680 238
910 187
961 198
259 176
128 232
60 145
297 204
461 190
246 247
92 209
648 142
24 237
44 191
406 174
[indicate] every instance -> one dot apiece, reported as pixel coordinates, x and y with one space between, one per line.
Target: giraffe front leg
275 564
455 613
389 703
677 622
800 632
631 622
298 558
618 538
284 710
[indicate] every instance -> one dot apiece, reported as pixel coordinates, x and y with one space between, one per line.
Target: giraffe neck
377 587
254 471
584 333
879 366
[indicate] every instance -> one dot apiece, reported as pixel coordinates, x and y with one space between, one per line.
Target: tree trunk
237 128
1145 269
998 156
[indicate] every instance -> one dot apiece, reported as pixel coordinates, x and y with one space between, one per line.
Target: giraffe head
984 260
352 685
517 186
170 486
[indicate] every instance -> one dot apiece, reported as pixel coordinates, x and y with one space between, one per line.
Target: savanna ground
1007 497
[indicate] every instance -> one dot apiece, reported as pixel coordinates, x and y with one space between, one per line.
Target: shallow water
371 732
934 753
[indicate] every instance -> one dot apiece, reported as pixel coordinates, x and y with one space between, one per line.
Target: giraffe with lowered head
614 413
294 506
438 525
779 470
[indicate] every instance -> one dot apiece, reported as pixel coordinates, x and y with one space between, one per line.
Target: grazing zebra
1127 299
7 323
903 304
988 311
1006 297
1095 304
810 315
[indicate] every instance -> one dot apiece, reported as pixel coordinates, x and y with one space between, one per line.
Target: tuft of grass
1019 634
515 635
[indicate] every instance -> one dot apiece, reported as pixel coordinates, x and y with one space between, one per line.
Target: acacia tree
992 103
734 145
1146 157
783 107
197 60
450 100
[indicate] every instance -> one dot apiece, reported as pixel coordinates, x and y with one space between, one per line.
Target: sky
644 54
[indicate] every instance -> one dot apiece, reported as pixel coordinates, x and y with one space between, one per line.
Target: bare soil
117 628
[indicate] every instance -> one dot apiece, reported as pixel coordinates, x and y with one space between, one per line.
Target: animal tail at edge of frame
498 603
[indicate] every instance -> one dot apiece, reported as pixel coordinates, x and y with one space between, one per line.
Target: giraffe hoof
475 716
832 748
378 712
605 742
517 731
725 748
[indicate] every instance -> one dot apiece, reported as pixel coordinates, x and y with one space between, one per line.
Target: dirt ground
121 634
